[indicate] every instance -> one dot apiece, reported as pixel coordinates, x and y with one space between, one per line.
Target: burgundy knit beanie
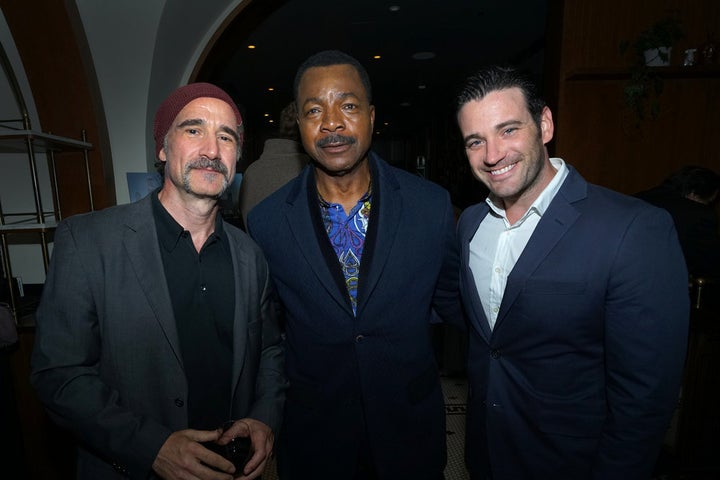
177 100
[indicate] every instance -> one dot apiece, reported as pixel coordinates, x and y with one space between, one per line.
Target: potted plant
651 48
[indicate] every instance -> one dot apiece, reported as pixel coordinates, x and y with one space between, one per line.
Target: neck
346 189
196 215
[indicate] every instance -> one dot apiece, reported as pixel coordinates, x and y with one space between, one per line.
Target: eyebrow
198 122
343 96
498 127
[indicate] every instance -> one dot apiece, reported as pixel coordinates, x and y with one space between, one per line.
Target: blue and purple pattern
347 237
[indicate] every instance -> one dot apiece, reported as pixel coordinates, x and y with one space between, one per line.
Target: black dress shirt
202 290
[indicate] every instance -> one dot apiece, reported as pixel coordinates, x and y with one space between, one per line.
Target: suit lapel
556 221
387 203
143 251
301 220
241 320
467 230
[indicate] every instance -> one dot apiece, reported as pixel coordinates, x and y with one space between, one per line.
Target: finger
250 473
239 428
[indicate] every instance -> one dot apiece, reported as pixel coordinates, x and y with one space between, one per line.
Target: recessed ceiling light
394 8
271 89
251 47
266 115
423 55
421 86
377 57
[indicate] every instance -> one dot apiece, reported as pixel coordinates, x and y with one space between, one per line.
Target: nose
332 120
494 152
210 147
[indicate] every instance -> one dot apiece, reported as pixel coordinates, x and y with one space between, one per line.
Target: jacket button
495 353
359 338
179 402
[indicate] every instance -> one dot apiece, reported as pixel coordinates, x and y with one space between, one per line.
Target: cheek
476 159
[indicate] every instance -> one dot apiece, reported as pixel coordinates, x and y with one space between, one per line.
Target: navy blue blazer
581 373
380 365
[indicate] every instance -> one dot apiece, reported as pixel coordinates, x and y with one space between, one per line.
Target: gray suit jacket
107 363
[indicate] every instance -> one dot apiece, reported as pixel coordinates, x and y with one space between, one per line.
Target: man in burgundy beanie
157 343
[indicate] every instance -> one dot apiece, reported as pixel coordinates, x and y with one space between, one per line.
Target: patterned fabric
347 237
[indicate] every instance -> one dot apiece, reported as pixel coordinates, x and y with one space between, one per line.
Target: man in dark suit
361 253
689 196
156 324
577 301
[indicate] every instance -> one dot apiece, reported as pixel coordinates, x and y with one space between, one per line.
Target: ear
372 117
162 156
547 128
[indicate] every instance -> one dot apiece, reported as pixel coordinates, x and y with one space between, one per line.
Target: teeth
502 170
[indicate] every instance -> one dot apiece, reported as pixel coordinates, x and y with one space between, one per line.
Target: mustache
211 163
335 138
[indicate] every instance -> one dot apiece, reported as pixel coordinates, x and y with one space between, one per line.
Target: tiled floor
455 390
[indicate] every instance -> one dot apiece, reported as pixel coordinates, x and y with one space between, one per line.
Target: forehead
318 81
206 107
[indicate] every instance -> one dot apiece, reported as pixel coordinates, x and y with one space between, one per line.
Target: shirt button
498 269
203 288
179 402
495 353
495 309
359 338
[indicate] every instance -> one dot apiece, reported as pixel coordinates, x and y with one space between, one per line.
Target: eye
226 138
474 144
312 111
509 130
349 106
193 131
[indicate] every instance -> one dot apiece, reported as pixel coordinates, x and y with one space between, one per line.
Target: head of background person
505 125
287 124
699 184
198 136
335 111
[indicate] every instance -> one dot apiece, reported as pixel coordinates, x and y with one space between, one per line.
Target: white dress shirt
497 245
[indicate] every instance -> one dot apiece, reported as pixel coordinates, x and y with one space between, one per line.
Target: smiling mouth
500 171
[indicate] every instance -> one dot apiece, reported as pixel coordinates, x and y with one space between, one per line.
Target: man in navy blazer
361 254
156 324
577 302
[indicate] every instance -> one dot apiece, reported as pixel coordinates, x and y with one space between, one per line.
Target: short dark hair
693 179
495 77
287 123
328 58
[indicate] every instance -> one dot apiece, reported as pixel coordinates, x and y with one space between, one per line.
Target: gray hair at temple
493 78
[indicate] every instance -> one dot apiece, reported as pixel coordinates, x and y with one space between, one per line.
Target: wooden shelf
671 72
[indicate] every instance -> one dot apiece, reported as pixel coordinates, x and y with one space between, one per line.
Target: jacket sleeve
66 364
446 300
646 328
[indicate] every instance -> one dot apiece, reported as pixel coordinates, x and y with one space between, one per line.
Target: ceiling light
377 57
251 47
271 89
394 8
